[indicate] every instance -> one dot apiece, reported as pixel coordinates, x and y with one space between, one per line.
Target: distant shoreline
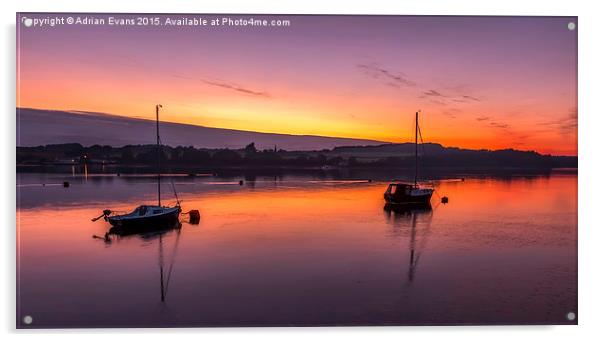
143 158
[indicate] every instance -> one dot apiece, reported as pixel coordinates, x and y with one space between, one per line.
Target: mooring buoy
65 184
194 216
444 199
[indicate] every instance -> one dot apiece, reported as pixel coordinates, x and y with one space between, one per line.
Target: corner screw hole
571 26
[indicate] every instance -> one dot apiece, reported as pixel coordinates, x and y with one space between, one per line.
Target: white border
590 92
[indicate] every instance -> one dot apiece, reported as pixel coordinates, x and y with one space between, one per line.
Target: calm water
299 251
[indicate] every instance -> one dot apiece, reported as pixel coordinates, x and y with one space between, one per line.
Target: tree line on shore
250 156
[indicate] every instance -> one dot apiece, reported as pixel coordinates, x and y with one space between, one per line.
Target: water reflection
153 234
416 218
299 251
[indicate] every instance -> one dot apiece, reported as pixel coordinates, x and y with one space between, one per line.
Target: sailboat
147 216
406 193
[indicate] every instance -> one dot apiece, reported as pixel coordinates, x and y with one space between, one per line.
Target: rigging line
173 186
421 141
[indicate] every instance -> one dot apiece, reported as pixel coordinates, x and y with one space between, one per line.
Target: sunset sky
481 82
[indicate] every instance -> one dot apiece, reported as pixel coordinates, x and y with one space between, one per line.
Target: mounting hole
27 21
571 26
571 316
27 319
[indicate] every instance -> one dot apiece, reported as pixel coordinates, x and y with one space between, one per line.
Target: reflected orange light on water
281 208
297 246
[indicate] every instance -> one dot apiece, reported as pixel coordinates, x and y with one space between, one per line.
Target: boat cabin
147 210
397 189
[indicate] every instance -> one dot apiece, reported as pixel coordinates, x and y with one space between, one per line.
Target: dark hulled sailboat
406 193
147 217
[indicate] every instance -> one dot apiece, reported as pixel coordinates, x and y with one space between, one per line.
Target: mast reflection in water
150 235
416 219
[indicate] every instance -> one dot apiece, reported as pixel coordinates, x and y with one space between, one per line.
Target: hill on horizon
36 127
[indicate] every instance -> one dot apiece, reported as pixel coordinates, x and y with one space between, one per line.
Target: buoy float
194 216
65 184
240 182
444 199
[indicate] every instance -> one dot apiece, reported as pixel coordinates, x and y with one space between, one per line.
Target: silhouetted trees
127 155
433 155
226 157
250 148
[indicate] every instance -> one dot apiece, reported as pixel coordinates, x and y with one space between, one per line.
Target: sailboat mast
158 157
416 151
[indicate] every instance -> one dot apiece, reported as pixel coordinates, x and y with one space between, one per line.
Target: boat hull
408 200
146 223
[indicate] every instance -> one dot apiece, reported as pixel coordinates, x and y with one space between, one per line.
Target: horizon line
84 113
